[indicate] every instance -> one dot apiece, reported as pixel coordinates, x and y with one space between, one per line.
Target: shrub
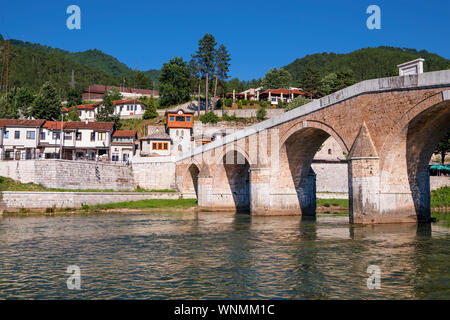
229 102
261 114
245 102
209 117
219 104
297 102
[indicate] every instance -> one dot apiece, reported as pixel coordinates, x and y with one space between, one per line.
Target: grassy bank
440 198
328 203
147 204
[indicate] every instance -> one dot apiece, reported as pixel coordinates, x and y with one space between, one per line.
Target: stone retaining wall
65 174
42 200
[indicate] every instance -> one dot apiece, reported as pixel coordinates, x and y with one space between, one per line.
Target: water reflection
220 255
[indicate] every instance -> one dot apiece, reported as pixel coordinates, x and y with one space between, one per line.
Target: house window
180 148
56 135
16 134
78 136
42 135
6 135
31 135
172 118
92 136
68 136
178 133
180 119
329 151
160 146
102 136
188 119
115 157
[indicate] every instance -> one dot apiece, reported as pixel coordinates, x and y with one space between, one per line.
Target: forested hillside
98 61
367 63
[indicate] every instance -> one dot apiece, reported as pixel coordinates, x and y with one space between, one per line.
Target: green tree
73 115
209 117
140 80
261 113
195 75
310 83
344 79
21 100
297 102
150 111
222 65
174 86
206 56
74 98
47 104
106 112
276 79
7 110
443 147
328 83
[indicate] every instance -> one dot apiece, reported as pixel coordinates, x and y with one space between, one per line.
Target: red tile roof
284 91
101 89
21 123
128 101
96 126
52 125
125 133
82 107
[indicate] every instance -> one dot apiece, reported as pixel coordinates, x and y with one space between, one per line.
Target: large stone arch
318 125
293 182
404 174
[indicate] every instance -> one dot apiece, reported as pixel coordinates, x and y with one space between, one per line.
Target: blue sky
260 35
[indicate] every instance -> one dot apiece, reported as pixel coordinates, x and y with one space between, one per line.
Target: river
220 256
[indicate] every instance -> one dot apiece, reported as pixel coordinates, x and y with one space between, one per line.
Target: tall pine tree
206 56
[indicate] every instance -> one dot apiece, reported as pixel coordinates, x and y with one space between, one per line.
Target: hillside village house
180 124
123 145
271 95
284 95
50 140
19 138
126 108
96 92
157 143
87 140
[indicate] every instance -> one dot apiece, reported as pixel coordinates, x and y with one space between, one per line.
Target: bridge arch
231 181
189 184
293 184
314 124
404 180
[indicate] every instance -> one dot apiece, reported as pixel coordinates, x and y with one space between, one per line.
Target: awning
51 150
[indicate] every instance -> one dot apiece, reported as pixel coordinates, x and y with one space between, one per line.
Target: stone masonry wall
70 174
42 200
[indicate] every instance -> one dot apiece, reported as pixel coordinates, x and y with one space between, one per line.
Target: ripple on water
220 256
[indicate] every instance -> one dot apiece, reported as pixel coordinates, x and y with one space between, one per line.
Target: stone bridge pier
387 130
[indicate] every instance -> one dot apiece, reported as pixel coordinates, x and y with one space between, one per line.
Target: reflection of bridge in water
388 129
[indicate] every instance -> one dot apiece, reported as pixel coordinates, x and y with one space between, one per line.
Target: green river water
220 256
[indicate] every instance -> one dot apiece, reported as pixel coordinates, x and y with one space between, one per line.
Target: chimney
411 67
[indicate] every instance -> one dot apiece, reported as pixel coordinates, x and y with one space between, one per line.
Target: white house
123 145
19 139
157 143
84 140
85 111
131 107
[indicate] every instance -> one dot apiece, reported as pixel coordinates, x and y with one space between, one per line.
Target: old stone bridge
387 129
